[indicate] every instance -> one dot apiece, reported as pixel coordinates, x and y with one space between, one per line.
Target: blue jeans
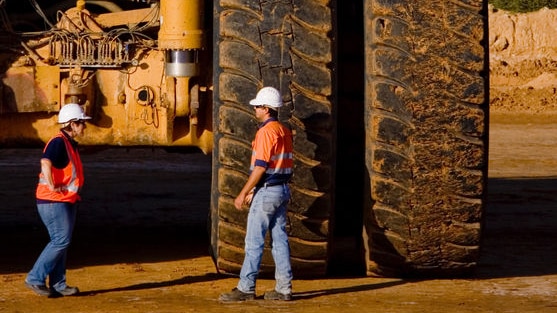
59 219
267 212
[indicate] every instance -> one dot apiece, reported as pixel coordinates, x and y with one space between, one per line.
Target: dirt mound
514 38
523 62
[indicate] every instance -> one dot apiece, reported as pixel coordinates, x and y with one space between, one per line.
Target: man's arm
253 179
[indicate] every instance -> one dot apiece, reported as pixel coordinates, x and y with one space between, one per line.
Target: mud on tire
426 129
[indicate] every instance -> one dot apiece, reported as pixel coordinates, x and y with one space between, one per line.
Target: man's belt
273 184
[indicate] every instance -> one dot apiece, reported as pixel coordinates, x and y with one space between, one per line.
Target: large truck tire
426 135
287 46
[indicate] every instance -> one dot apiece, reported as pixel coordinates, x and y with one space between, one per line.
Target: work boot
275 295
68 291
236 295
41 290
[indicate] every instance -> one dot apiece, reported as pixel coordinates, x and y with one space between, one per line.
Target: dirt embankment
523 62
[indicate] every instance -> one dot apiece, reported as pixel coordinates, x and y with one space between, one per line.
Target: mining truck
387 100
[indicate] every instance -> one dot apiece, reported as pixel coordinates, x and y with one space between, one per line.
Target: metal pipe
180 34
182 96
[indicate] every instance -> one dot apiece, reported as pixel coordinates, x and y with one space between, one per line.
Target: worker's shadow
357 288
215 276
180 281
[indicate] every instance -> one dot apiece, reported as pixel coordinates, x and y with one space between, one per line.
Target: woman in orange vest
57 193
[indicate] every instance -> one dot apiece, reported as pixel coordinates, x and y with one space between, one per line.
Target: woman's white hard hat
71 112
267 96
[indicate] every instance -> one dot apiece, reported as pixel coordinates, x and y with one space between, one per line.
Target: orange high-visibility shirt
273 150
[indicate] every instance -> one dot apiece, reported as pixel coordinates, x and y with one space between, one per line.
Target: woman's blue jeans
267 212
59 219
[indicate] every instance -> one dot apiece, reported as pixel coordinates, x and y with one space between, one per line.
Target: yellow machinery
139 90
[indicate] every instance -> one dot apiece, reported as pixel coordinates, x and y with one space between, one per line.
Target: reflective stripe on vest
282 159
279 139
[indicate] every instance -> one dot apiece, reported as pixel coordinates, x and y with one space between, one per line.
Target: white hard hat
268 96
71 112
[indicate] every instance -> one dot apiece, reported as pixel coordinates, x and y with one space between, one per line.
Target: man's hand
246 195
239 201
249 197
243 201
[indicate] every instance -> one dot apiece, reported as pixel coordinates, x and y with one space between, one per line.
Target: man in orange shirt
268 193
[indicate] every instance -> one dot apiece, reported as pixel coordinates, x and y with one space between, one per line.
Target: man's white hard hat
268 96
71 112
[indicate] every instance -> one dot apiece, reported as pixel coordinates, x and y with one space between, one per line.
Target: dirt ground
142 247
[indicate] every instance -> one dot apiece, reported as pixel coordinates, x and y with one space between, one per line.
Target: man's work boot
275 295
236 295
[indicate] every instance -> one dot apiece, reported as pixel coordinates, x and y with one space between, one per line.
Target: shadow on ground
160 214
520 228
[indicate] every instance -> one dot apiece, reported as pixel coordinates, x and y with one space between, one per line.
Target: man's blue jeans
59 219
267 212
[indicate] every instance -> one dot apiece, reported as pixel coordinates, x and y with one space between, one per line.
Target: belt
273 184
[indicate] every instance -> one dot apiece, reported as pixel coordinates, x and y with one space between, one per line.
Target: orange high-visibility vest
70 178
